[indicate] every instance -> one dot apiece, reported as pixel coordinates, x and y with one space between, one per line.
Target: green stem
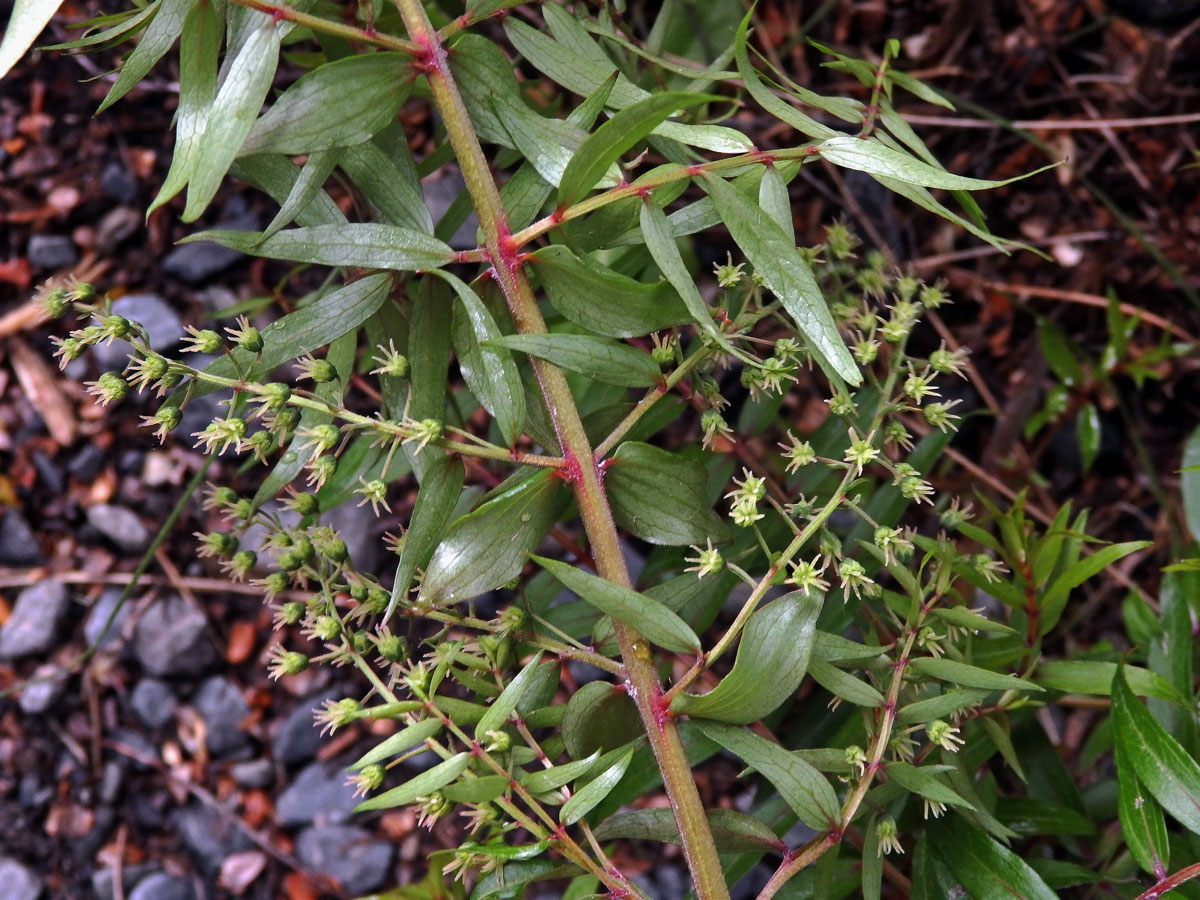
340 29
698 846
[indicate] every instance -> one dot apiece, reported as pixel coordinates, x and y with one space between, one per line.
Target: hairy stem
590 498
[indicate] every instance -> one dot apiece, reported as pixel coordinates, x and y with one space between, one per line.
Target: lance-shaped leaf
648 617
490 371
308 184
338 104
399 742
843 685
441 487
476 790
785 272
660 496
970 676
556 776
160 34
422 786
772 658
277 175
599 716
987 869
504 705
1141 818
801 786
389 183
923 781
231 115
199 45
488 547
875 159
369 245
1162 766
599 358
603 301
1055 599
939 706
732 831
619 134
587 797
1080 676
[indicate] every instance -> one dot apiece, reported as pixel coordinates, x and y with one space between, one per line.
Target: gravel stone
43 690
152 702
170 639
162 324
32 625
347 854
97 616
131 874
256 773
18 543
117 184
196 263
161 886
52 251
299 738
319 795
223 708
208 835
439 194
18 881
87 463
119 525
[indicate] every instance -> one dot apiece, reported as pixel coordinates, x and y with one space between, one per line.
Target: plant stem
363 36
699 848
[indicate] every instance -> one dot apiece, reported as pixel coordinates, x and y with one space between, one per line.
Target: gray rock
43 689
223 708
18 544
439 194
119 525
31 627
102 879
163 327
117 184
318 795
87 462
97 618
208 835
346 854
161 886
52 251
115 226
299 738
195 263
356 530
153 702
17 881
170 639
255 773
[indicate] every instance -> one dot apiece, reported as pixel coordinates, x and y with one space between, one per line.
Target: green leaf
1078 676
499 712
199 45
600 716
556 776
603 301
985 868
1161 765
484 789
587 797
309 183
648 617
441 487
923 781
660 241
369 245
661 497
276 175
619 134
231 115
1141 818
123 24
875 159
581 73
489 546
399 742
1031 816
599 358
843 685
785 272
732 832
802 787
422 786
338 104
1189 483
1058 353
772 658
774 201
160 34
390 183
1087 434
491 373
962 617
940 705
1055 599
305 330
970 676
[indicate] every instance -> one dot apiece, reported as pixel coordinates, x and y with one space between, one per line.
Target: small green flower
335 714
320 468
216 543
842 404
272 397
284 421
840 240
889 842
751 489
853 577
289 613
806 576
944 735
939 416
934 296
391 361
368 779
220 434
274 584
918 387
286 662
891 541
319 371
895 433
857 759
949 362
866 351
108 388
745 513
798 453
68 349
728 275
390 646
320 437
665 350
202 341
240 564
373 492
707 561
245 335
861 452
302 503
261 444
56 302
423 432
